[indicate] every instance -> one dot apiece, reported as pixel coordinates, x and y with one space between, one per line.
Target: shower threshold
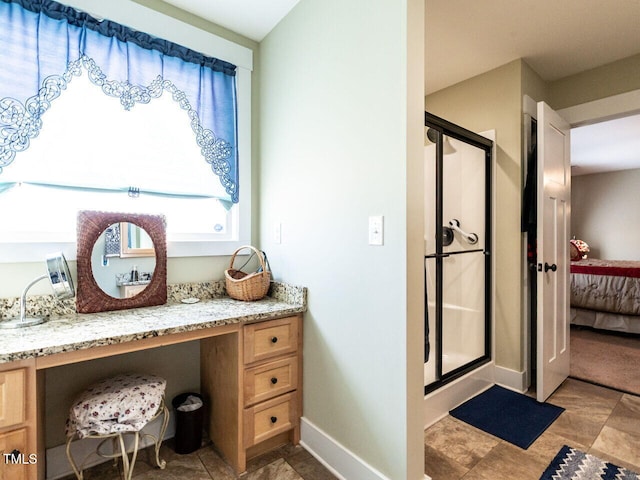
456 391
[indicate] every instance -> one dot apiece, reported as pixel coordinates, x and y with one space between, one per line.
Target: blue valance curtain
44 45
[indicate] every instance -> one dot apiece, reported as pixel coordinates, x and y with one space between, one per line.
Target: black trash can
188 425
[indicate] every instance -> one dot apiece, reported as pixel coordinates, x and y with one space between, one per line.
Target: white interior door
553 233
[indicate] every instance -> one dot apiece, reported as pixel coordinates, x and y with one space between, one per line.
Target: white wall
334 146
604 213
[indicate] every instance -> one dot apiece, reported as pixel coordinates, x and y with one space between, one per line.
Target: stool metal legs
158 441
119 444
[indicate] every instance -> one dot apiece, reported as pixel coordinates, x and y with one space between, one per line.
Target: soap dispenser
134 274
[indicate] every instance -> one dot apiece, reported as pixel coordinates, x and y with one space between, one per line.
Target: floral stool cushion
124 403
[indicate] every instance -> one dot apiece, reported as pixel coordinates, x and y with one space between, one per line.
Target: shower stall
457 261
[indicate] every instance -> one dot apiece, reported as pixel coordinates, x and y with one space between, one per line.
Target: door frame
595 111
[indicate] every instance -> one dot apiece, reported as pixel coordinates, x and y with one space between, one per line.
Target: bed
605 294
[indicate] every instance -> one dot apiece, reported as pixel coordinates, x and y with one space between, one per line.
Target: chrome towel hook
471 238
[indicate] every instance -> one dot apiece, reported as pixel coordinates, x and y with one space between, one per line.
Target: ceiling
556 39
466 38
253 19
606 146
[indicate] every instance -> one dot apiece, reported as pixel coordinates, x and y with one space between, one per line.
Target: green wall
341 127
618 77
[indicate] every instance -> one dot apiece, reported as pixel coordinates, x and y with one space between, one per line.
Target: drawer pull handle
274 419
274 380
274 339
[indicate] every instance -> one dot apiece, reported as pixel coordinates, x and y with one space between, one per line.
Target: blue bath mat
508 415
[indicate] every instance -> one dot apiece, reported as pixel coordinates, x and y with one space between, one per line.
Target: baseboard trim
511 379
340 461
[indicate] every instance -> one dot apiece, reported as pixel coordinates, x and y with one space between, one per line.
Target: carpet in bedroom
606 358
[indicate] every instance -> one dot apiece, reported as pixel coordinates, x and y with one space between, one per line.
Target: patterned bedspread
606 285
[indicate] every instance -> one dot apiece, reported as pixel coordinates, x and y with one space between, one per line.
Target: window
89 144
92 154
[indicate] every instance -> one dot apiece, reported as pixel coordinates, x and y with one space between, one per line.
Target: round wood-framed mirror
90 296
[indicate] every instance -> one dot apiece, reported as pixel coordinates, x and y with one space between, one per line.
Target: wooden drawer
270 418
12 397
14 469
266 340
270 380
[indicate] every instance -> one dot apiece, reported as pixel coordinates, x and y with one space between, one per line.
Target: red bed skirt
616 268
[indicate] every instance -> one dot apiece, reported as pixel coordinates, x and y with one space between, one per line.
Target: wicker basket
247 286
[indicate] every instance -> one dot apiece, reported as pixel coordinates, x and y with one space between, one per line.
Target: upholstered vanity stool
120 405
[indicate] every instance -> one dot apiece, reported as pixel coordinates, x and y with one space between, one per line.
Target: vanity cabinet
17 417
256 406
268 380
250 374
15 468
271 360
12 401
12 415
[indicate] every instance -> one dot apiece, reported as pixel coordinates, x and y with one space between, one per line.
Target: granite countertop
77 331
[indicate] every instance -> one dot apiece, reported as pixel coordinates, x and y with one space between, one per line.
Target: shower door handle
553 267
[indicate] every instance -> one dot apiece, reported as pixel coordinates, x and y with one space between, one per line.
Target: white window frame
154 23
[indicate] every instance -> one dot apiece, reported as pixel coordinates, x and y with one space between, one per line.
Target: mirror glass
135 241
60 276
123 260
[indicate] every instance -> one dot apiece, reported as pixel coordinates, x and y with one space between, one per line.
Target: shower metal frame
457 132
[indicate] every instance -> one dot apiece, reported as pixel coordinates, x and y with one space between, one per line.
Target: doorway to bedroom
605 229
605 339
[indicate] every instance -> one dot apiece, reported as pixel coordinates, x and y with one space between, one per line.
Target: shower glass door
457 251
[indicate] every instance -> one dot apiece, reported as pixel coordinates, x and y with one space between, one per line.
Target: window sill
23 252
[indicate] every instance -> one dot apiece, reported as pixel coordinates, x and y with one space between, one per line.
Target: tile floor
285 463
597 420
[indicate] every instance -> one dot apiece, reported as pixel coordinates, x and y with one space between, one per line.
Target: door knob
553 267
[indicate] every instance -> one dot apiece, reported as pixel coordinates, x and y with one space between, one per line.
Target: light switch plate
376 230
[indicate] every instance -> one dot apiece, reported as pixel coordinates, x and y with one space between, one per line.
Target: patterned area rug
572 464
